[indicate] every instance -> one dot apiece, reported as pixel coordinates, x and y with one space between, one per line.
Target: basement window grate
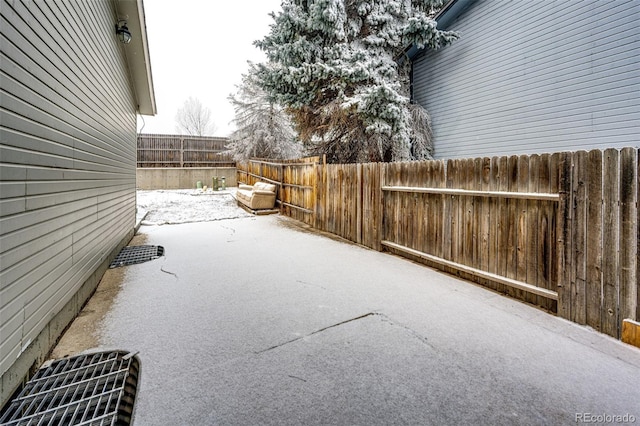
136 254
93 389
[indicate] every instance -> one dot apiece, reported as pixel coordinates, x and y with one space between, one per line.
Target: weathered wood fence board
372 217
182 151
629 234
593 236
296 181
557 230
565 237
300 186
601 240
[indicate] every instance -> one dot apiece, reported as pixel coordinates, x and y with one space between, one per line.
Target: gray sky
200 48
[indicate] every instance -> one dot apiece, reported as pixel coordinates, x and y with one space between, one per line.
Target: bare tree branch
194 119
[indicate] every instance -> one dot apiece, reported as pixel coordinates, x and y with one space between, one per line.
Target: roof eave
137 54
444 18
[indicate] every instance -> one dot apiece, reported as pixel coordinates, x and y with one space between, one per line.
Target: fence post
359 186
280 188
381 182
181 152
316 190
563 232
318 209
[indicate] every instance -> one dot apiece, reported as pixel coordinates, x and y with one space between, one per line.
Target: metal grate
136 254
94 389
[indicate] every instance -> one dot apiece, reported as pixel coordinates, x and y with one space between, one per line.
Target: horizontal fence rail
473 271
496 194
183 151
557 230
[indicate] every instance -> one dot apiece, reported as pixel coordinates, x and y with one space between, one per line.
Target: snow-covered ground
187 205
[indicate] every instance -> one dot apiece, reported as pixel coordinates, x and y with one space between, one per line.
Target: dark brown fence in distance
557 230
183 151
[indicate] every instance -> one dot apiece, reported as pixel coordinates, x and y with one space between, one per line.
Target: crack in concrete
164 259
311 284
170 273
384 318
315 332
411 331
233 231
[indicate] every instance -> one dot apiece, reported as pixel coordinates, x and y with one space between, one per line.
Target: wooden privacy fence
557 230
491 219
296 181
598 260
183 151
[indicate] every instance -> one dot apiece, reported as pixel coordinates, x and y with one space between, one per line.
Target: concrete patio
262 321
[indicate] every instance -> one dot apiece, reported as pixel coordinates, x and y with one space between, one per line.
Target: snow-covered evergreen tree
336 71
263 128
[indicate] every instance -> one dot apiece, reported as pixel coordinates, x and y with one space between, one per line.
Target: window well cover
131 255
92 389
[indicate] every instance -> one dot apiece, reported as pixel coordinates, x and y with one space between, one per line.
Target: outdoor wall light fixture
123 32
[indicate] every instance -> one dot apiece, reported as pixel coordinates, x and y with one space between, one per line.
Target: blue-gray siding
535 76
67 158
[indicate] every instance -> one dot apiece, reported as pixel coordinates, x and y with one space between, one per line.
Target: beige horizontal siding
534 77
68 157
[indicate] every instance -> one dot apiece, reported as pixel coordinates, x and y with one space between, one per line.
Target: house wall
68 168
533 77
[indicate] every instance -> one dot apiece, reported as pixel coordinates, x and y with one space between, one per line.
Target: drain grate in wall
93 389
136 254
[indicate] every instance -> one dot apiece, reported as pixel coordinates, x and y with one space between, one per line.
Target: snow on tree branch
263 128
332 65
